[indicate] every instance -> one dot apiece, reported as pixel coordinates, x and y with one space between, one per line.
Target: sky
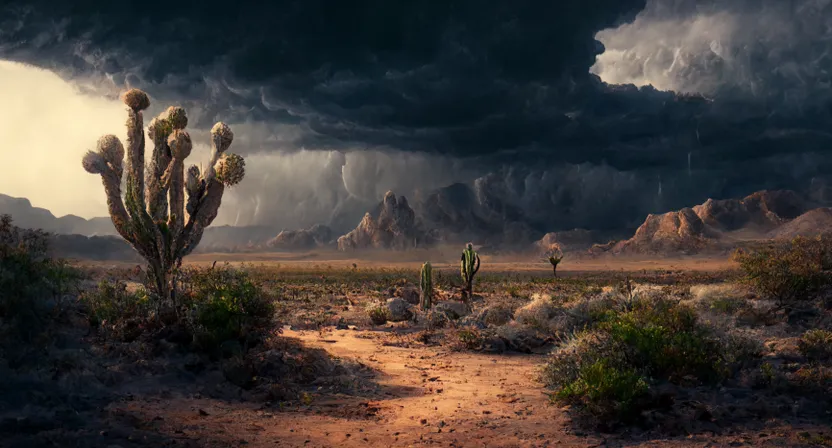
571 110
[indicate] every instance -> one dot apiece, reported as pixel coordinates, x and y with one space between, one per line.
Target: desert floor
403 393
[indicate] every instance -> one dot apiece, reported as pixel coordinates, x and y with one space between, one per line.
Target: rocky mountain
303 239
719 225
392 225
92 248
568 241
460 213
812 223
27 216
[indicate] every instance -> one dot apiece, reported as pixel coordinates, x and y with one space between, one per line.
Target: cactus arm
135 156
157 205
477 268
115 205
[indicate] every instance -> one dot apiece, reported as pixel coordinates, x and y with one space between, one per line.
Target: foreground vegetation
671 352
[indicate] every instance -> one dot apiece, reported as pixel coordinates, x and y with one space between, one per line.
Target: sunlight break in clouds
47 125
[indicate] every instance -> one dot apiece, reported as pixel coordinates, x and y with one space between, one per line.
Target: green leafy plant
225 304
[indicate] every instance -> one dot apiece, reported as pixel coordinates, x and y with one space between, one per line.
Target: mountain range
459 213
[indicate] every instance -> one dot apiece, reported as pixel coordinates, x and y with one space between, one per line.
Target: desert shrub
378 314
607 370
789 273
29 278
816 345
116 312
605 389
224 304
537 313
468 338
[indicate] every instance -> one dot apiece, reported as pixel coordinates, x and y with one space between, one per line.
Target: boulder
410 294
452 308
398 310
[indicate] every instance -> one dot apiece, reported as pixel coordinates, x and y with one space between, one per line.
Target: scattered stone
398 310
453 309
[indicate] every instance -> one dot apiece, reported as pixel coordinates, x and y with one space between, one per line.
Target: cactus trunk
426 287
469 265
151 216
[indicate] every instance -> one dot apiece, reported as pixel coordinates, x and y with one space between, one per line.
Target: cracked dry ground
426 396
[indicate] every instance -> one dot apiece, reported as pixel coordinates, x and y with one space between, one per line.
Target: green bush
224 304
608 369
118 313
816 345
32 285
378 314
789 273
605 389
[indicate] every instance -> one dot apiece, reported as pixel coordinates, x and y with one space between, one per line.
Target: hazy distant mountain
27 216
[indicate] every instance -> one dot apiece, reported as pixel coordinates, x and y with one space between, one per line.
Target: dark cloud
496 90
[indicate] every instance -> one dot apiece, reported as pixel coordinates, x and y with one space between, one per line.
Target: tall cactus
469 266
426 287
155 217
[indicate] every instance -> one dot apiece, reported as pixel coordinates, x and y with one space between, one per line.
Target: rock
398 310
494 345
238 374
495 315
453 309
435 319
410 294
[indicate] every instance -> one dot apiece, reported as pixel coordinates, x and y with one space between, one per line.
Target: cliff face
393 225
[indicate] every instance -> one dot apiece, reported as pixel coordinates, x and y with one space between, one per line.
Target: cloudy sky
568 108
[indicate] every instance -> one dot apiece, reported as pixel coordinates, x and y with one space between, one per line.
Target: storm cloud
548 104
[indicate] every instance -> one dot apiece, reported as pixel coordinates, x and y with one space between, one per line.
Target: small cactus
163 213
554 258
469 265
426 286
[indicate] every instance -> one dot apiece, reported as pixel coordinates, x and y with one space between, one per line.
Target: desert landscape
363 223
710 326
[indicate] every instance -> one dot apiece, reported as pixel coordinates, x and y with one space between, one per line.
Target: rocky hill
812 223
718 225
303 239
392 225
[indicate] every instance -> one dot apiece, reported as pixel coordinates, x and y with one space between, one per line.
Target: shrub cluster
608 369
32 284
219 304
788 272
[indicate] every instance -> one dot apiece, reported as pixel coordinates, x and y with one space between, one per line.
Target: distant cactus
554 258
426 286
155 217
469 265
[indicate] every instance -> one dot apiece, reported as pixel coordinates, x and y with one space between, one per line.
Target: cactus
155 217
469 265
554 258
426 286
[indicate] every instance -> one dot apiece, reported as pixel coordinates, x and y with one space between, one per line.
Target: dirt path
427 396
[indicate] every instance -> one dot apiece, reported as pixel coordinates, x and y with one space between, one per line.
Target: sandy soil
445 260
427 396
